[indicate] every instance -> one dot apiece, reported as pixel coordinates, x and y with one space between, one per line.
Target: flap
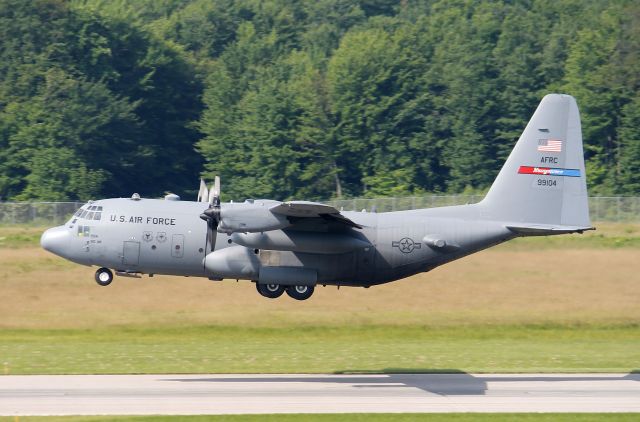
303 209
307 209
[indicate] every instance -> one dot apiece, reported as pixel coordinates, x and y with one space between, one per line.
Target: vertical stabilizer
543 181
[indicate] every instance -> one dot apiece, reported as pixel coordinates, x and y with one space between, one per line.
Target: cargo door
131 253
177 245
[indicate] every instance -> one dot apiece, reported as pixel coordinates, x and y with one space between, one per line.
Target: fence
614 209
37 213
601 208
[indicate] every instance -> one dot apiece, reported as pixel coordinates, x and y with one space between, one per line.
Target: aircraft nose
56 240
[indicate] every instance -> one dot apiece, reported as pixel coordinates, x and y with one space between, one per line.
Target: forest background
305 99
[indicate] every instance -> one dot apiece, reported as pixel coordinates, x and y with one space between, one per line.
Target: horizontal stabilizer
545 230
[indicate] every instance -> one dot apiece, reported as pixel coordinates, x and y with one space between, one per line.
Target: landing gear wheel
272 291
300 292
104 276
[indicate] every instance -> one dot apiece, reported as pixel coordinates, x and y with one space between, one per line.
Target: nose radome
55 240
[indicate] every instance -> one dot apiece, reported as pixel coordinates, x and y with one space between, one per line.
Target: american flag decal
549 145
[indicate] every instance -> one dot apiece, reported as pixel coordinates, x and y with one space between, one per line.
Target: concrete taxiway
228 394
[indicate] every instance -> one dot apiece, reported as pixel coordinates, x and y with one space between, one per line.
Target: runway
232 394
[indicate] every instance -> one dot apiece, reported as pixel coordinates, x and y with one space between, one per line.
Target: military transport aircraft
294 246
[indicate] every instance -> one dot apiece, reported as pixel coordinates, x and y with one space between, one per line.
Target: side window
86 231
97 215
90 215
80 230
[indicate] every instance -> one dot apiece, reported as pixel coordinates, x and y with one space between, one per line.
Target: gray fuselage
167 237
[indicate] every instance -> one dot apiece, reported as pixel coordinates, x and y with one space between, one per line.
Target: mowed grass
356 417
364 349
530 305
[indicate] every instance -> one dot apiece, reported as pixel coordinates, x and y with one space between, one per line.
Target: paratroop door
131 253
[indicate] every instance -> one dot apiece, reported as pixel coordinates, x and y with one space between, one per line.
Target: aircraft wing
301 210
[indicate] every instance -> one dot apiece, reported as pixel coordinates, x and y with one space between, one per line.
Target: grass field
357 417
567 303
364 349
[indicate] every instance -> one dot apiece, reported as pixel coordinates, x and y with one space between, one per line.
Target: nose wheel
104 276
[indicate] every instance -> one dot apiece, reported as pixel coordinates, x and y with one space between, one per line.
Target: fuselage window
84 231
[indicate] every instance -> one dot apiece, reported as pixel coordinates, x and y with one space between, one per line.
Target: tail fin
542 186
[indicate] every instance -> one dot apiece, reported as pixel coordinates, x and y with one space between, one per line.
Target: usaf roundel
406 245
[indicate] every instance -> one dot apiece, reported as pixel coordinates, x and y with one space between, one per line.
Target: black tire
272 291
300 292
104 276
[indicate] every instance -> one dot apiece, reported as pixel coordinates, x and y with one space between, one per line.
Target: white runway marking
228 394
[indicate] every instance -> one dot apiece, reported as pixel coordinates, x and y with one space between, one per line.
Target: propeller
203 193
212 214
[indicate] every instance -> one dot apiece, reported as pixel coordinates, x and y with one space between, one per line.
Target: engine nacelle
233 262
243 263
251 217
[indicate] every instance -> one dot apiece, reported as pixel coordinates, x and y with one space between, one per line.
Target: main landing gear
273 291
104 276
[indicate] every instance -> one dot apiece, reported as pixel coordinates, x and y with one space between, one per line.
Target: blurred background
307 99
415 103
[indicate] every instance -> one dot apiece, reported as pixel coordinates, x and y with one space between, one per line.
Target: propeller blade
203 194
212 214
210 196
216 192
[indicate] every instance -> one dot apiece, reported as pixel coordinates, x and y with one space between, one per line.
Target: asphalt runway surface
233 394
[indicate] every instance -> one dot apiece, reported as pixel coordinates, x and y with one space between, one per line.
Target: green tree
629 163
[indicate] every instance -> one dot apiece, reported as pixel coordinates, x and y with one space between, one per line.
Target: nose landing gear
104 276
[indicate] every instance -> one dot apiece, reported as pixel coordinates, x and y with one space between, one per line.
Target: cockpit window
86 212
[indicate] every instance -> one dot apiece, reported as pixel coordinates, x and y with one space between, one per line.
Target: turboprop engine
264 231
251 216
240 262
